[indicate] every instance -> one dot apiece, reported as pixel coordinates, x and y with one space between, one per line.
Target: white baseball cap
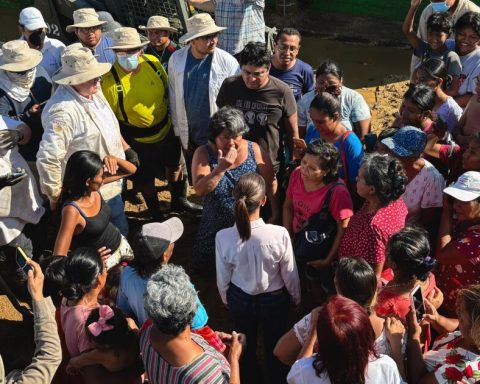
32 19
466 188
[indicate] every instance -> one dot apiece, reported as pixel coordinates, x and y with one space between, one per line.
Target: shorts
153 157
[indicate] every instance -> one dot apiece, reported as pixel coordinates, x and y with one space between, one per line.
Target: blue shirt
352 148
104 55
299 78
196 80
130 298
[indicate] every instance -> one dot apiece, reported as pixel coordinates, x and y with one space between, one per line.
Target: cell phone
22 260
416 303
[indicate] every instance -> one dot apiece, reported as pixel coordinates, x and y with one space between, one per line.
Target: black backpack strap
159 72
326 203
119 89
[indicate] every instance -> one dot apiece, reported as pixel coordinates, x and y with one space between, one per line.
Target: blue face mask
440 7
128 62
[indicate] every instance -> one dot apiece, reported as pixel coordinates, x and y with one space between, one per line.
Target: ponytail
248 193
242 219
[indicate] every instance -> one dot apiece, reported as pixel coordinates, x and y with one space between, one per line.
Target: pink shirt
73 324
305 204
368 232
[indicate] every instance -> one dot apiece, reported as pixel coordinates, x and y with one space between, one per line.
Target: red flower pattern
468 371
453 374
453 358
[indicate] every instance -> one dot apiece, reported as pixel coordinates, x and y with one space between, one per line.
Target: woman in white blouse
256 276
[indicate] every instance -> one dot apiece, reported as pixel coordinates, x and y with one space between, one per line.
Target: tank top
99 231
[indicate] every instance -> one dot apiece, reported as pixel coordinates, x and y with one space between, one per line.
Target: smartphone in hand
417 304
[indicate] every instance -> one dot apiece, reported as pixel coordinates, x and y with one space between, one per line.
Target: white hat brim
461 194
169 29
21 66
188 36
36 25
129 46
71 28
97 70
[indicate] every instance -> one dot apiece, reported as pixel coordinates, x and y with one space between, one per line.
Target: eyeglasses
257 75
209 37
159 32
287 48
89 29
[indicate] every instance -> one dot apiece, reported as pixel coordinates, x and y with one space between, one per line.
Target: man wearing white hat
196 74
87 26
33 28
24 87
78 117
137 89
159 32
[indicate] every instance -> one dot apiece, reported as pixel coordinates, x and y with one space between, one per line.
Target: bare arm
117 169
291 127
70 220
407 27
463 100
361 128
287 348
203 5
432 148
452 90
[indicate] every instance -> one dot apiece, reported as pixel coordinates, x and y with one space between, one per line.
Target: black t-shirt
264 110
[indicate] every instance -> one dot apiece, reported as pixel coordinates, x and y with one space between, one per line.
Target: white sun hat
126 38
17 56
466 188
158 22
84 18
200 25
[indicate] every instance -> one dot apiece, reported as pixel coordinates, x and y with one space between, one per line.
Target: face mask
440 7
24 79
37 38
128 62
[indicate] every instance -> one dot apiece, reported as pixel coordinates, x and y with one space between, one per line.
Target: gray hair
170 299
228 118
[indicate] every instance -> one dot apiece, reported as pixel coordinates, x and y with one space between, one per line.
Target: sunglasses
23 73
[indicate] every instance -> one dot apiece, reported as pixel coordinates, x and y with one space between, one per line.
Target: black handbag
314 241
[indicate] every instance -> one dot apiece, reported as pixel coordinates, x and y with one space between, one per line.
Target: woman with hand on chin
216 168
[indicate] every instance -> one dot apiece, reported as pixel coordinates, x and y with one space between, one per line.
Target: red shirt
452 158
305 204
453 277
368 232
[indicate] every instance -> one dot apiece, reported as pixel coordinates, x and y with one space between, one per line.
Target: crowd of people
374 238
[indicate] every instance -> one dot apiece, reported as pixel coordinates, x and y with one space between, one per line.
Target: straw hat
79 66
200 25
17 56
126 38
84 18
158 22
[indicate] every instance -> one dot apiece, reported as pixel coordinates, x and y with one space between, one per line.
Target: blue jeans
270 310
118 217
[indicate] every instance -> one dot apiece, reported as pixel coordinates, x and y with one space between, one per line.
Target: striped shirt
210 367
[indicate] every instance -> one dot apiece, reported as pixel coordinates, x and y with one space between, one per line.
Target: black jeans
270 310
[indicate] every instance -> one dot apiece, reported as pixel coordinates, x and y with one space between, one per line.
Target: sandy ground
16 338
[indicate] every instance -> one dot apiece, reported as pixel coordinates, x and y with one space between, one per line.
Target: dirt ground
16 337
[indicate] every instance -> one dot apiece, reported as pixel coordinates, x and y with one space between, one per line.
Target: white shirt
424 191
223 65
21 203
382 370
52 51
263 263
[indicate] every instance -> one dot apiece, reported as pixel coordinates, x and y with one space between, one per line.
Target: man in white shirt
34 30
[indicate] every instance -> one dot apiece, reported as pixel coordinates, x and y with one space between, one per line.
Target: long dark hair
347 341
81 166
248 193
82 268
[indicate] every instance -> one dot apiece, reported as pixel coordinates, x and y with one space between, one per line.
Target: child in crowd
416 109
439 27
433 74
115 338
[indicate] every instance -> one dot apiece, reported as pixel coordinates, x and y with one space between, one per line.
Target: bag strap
344 161
159 72
119 89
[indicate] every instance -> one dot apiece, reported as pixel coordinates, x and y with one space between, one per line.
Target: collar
257 223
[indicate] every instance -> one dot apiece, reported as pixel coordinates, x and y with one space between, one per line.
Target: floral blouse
452 363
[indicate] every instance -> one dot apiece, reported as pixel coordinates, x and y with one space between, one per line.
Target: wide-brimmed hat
158 22
31 18
79 66
17 56
154 238
200 25
84 18
408 141
126 38
466 188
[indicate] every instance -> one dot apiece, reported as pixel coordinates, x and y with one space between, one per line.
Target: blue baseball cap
408 141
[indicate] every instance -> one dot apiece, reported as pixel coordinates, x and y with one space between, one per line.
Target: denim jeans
270 310
118 217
